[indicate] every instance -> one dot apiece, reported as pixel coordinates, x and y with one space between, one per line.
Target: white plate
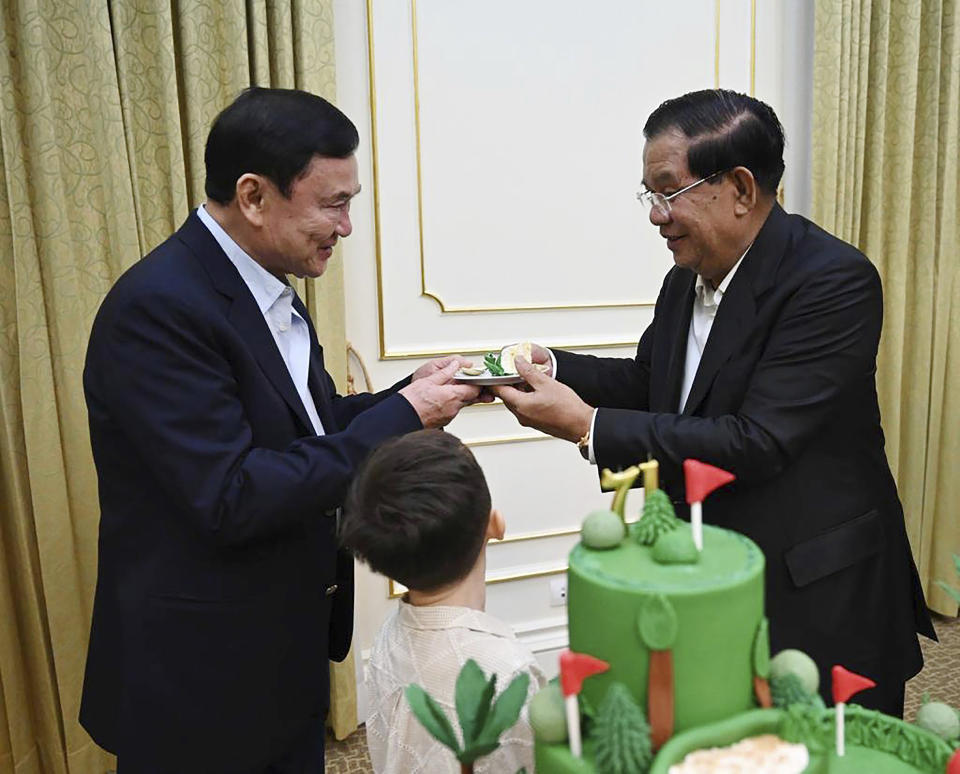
486 379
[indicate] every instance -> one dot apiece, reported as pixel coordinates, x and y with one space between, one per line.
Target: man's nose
659 216
344 226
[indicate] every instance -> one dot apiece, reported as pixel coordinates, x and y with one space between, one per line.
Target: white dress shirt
706 301
428 646
275 301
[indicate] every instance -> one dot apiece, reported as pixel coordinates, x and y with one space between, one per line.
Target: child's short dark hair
418 510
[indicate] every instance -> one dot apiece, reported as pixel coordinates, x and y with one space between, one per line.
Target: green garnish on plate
492 362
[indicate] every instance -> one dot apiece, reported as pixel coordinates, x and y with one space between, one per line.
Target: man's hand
437 398
548 406
541 356
429 369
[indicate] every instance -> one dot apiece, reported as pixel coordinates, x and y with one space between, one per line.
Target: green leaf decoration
492 361
657 623
473 695
621 734
658 517
504 713
432 717
761 650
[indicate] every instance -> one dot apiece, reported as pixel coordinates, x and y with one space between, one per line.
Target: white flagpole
573 724
840 746
696 523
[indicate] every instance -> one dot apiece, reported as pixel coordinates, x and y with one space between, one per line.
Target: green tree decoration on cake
658 517
657 626
788 689
482 719
621 734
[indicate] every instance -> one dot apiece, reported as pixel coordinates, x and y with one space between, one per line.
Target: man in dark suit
223 454
760 360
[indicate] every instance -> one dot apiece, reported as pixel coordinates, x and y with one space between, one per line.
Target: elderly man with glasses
760 359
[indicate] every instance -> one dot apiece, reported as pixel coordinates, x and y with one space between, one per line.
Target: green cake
718 603
685 638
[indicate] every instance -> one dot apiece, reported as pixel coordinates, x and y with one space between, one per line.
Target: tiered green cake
685 637
718 603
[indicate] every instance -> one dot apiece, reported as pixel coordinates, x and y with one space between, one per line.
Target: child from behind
419 512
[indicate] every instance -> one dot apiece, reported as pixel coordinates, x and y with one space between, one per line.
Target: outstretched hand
546 404
439 364
436 398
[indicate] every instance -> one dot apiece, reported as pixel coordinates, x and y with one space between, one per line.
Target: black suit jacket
215 610
785 399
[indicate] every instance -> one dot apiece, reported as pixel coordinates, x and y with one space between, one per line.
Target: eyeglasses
653 201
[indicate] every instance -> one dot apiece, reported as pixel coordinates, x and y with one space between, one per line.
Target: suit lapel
678 323
244 314
737 314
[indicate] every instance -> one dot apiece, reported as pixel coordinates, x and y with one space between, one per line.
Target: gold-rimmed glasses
651 200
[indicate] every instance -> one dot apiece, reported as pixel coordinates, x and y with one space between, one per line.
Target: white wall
506 138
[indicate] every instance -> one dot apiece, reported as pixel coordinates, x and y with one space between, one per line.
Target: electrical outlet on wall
558 591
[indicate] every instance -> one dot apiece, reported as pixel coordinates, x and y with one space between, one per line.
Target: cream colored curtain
105 107
886 118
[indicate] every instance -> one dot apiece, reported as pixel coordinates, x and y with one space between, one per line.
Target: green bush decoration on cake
482 720
548 716
621 734
657 623
658 517
675 546
940 719
602 529
798 663
761 650
787 689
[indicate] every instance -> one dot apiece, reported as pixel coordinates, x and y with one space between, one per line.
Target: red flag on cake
847 683
953 765
844 685
574 669
700 480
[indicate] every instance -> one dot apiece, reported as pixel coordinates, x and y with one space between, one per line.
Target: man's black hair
418 510
274 133
727 129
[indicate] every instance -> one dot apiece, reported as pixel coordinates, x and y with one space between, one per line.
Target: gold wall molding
421 353
446 308
496 440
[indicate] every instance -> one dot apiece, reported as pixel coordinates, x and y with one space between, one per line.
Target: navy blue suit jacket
215 611
785 399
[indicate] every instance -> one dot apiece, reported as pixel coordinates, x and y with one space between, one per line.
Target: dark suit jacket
785 399
215 612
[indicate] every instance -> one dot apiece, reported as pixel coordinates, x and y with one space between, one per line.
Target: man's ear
496 526
746 186
250 194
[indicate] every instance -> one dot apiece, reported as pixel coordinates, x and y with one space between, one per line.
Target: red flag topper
702 479
847 683
953 765
577 667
